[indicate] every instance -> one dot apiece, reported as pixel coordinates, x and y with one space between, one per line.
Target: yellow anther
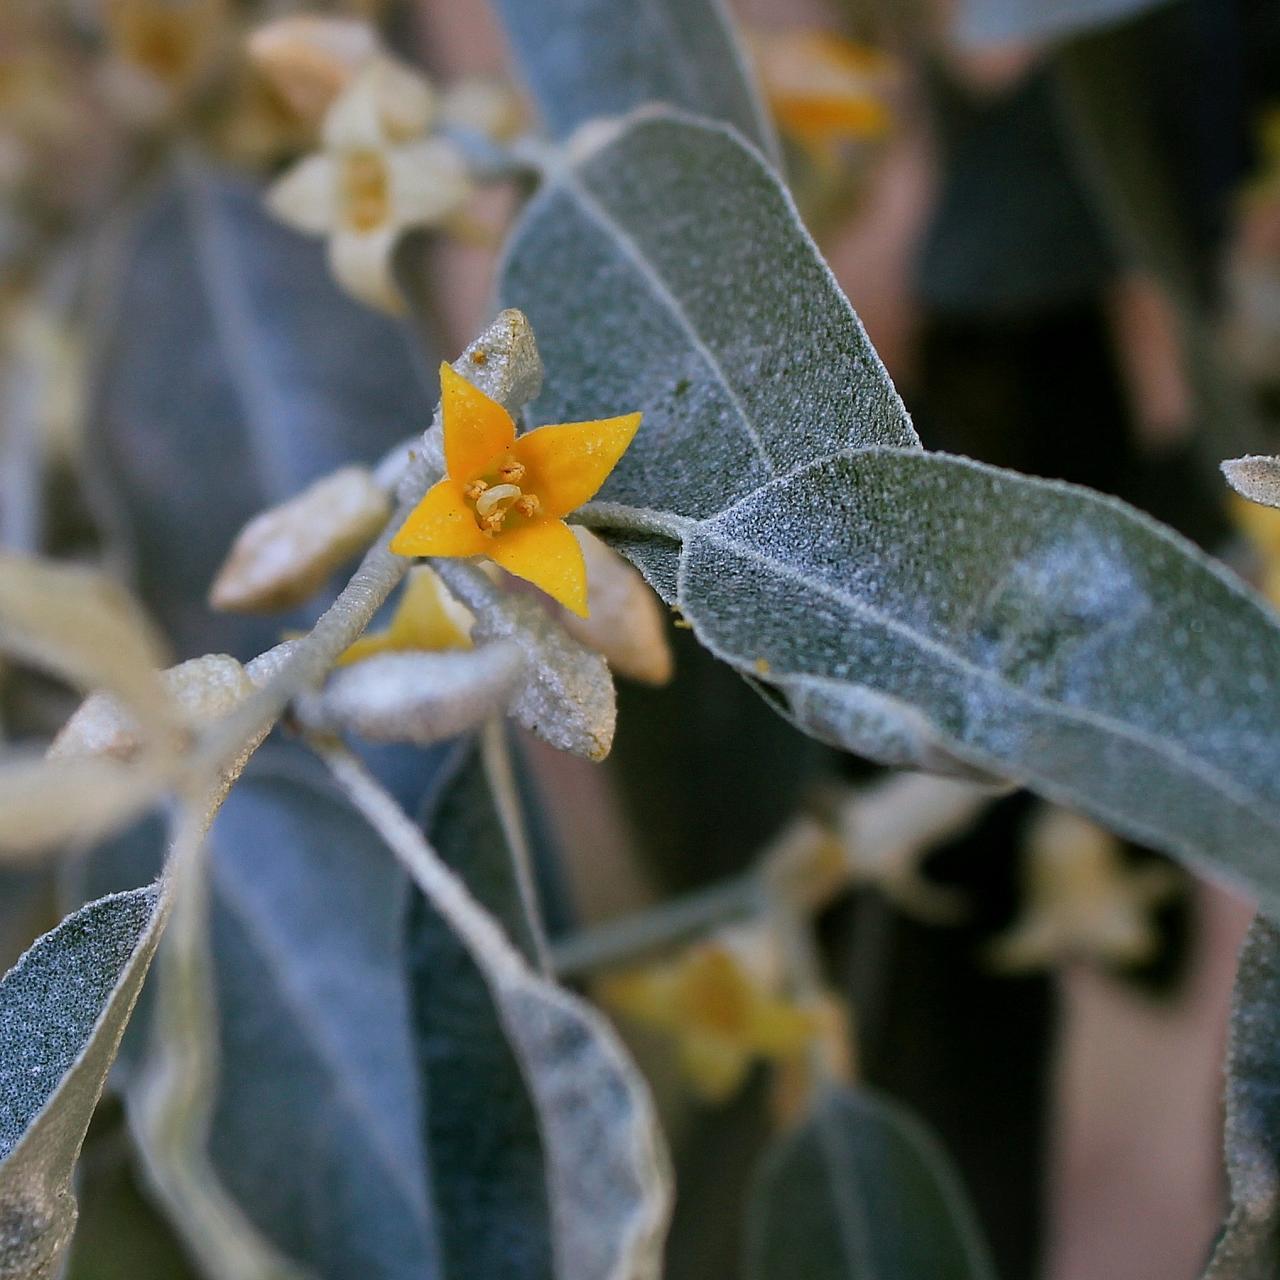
528 504
473 491
511 471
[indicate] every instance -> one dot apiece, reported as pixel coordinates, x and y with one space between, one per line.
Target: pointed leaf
916 608
63 1008
668 273
584 59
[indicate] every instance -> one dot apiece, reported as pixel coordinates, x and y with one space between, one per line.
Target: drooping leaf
584 59
917 608
482 1129
861 1191
606 1166
999 22
63 1008
235 373
314 1044
1249 1248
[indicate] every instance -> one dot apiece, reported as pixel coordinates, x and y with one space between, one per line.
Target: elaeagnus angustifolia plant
342 608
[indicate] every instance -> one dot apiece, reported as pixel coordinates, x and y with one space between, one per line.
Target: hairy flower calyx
506 496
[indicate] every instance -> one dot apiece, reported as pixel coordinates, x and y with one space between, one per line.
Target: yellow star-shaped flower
723 1014
427 618
505 496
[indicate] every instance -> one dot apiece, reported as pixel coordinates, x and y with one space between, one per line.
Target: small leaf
47 805
202 689
566 694
63 1008
584 59
1249 1248
861 1191
283 556
422 698
79 625
1256 477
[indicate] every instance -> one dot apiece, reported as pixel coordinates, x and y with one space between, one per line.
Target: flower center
365 191
494 500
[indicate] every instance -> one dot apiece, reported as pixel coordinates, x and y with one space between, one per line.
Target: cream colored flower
375 179
1082 900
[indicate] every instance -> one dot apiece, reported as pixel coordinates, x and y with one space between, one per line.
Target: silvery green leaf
1028 628
861 1191
565 693
421 698
1000 22
315 1051
916 608
63 1008
668 272
485 1144
584 59
1256 477
606 1165
233 373
1249 1248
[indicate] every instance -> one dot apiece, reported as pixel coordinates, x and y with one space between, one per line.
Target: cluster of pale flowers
385 164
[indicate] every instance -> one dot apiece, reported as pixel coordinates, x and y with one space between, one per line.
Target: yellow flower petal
427 618
569 461
477 430
546 553
441 525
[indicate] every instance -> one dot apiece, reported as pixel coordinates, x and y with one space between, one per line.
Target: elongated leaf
315 1051
997 22
63 1008
482 1130
861 1191
917 608
236 372
584 59
669 273
606 1166
1250 1246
